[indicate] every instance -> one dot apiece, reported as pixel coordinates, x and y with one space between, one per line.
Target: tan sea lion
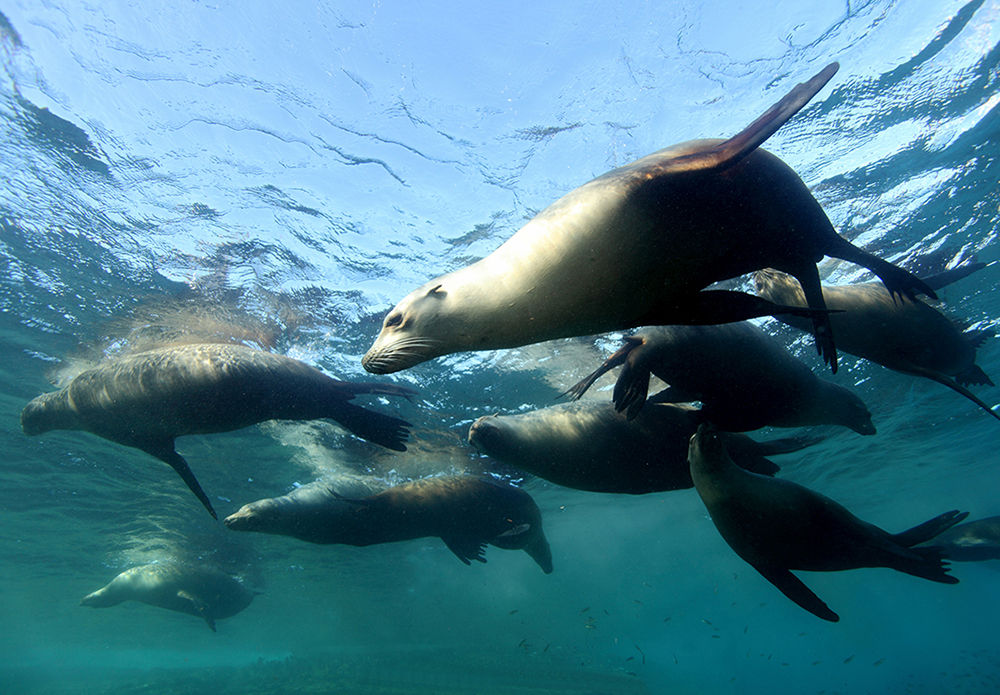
590 446
777 525
973 541
637 246
148 399
201 591
465 511
906 335
744 378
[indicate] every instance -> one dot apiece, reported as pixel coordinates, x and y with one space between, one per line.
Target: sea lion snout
245 519
484 433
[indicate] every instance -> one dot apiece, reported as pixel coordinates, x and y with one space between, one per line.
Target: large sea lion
972 541
744 378
636 247
777 525
906 335
201 591
590 446
465 511
148 399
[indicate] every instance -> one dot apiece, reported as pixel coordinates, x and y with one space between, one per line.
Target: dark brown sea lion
973 541
201 591
777 525
148 399
465 511
744 378
637 246
590 446
906 335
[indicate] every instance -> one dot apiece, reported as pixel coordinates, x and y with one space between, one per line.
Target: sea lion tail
897 280
954 386
922 533
936 282
576 391
377 428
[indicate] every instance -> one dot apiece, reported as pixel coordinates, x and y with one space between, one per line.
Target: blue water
297 170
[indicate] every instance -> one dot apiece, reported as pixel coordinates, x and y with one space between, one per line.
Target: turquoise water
296 172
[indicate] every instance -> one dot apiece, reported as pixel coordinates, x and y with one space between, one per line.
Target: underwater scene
536 348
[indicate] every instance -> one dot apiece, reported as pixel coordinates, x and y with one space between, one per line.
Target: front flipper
577 390
631 390
808 277
466 549
198 606
792 587
710 307
165 452
733 150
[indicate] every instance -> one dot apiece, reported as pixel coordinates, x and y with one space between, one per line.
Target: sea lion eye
393 320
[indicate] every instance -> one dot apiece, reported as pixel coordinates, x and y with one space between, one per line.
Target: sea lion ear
436 291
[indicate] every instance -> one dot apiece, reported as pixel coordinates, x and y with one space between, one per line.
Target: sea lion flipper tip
165 452
466 549
793 587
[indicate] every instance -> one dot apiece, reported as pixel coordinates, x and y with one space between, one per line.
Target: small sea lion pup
972 541
148 399
744 378
590 446
905 335
777 526
636 247
465 511
201 591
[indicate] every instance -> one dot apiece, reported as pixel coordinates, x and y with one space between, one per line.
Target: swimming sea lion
906 335
197 590
590 446
465 511
777 526
148 399
973 541
744 378
636 247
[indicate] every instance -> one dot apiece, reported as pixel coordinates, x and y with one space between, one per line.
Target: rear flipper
350 389
792 587
974 375
929 529
466 549
631 390
926 562
953 385
198 606
165 452
377 428
936 282
577 390
895 279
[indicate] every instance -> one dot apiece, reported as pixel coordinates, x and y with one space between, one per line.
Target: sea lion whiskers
406 352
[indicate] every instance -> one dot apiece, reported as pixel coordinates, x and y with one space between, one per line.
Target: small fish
639 649
547 645
513 612
667 619
522 642
817 663
707 622
745 628
631 658
848 659
635 600
585 609
880 661
715 637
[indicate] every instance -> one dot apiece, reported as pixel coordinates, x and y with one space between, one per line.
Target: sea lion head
779 287
263 515
707 446
488 436
50 411
405 339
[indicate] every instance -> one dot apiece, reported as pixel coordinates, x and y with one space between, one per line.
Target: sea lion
636 246
906 335
465 511
777 525
148 399
744 378
972 541
198 590
590 446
